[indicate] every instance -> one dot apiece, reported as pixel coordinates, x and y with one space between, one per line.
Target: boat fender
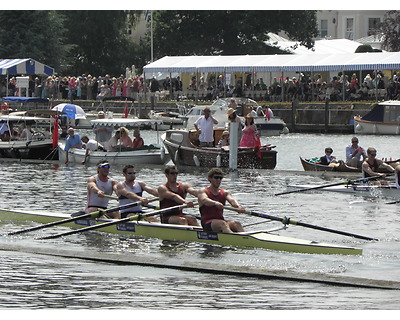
196 160
398 130
176 155
285 130
374 129
162 155
218 161
358 128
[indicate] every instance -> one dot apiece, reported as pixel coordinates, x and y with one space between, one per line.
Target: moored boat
38 146
149 154
252 239
185 153
272 126
384 118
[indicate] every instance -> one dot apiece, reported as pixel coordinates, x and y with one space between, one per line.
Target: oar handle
106 224
286 220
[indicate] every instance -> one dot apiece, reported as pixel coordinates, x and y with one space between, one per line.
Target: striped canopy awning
24 66
277 63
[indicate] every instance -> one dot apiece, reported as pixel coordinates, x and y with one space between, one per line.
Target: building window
323 28
349 29
372 25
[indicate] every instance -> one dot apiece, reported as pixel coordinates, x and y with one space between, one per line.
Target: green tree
33 34
390 30
227 32
101 43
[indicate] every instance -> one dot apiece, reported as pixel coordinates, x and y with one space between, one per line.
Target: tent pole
7 84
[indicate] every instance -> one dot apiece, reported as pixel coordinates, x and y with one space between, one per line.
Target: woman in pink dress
249 133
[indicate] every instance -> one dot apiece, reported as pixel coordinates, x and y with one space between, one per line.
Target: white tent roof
285 62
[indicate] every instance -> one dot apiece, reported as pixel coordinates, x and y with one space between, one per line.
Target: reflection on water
34 281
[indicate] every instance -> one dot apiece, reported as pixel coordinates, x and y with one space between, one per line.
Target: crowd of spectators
303 87
84 87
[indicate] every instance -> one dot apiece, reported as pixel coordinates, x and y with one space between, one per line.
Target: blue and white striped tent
277 63
24 66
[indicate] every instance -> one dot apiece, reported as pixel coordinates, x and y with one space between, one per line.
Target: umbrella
71 110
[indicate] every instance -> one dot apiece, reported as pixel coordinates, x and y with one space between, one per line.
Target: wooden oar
91 215
286 220
348 182
106 224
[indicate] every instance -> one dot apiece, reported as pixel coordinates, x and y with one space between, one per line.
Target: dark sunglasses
218 177
131 172
174 173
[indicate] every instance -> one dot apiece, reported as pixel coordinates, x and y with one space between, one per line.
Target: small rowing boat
365 190
309 165
252 239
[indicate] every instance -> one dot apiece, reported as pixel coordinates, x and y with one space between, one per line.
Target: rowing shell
254 239
374 191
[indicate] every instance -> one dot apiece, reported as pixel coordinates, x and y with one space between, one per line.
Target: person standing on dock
212 200
174 193
205 124
354 152
131 191
99 187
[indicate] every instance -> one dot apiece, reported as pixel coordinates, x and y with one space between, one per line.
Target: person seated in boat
98 188
354 152
125 139
138 142
73 142
27 133
250 135
131 191
114 144
174 193
328 159
90 145
212 200
371 165
223 143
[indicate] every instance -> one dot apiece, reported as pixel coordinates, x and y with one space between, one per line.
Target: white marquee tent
277 63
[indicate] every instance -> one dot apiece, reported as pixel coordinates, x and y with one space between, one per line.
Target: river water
34 281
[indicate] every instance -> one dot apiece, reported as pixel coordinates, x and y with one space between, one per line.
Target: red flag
55 132
267 114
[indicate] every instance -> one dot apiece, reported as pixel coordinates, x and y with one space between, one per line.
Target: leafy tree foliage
100 41
227 32
390 30
33 34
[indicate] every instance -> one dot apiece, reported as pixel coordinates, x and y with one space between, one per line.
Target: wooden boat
252 239
266 127
39 146
184 153
365 190
384 118
149 154
343 167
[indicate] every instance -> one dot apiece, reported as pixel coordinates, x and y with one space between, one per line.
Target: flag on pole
126 111
258 146
55 132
